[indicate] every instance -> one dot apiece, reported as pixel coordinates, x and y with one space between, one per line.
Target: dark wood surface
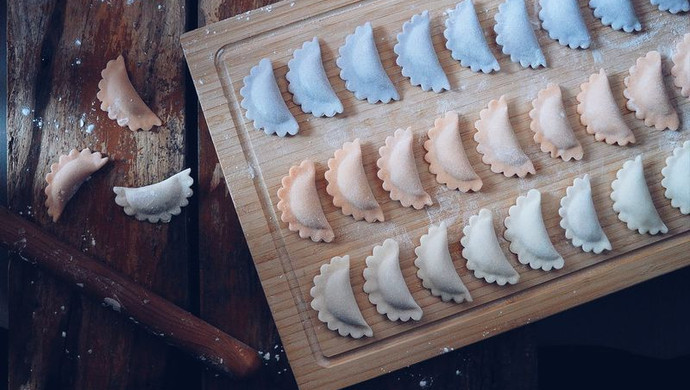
60 339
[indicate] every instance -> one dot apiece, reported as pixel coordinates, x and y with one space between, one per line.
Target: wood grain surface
221 55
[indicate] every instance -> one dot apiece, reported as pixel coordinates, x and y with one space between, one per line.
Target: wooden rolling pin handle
162 318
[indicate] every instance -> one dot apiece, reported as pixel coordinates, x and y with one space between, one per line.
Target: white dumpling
386 286
563 21
632 200
527 234
308 83
619 14
416 55
672 6
156 202
515 34
579 218
264 103
436 267
676 179
361 68
335 300
465 39
483 253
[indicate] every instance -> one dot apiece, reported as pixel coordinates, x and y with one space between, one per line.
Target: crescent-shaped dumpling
416 55
681 66
676 179
672 6
398 171
483 253
647 96
121 101
579 218
551 127
156 202
347 184
515 34
264 104
446 155
563 20
361 68
335 301
465 39
436 269
67 175
600 113
497 143
386 286
619 14
527 234
632 200
300 206
308 82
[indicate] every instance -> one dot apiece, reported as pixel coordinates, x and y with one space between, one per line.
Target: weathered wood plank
56 52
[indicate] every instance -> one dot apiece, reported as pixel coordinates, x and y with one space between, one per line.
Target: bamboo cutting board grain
220 56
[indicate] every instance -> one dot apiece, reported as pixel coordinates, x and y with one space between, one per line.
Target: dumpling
672 6
398 171
599 111
551 127
121 101
579 218
436 269
264 103
361 68
465 39
563 21
335 301
347 184
386 286
619 14
527 234
446 155
497 143
647 96
676 179
483 253
300 206
156 202
416 55
515 34
632 200
67 175
681 66
308 83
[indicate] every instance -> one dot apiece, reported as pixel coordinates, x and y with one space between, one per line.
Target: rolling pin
178 327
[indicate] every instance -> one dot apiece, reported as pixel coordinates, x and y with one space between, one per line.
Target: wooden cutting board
220 56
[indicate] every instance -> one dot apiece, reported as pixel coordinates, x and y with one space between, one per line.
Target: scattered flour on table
26 111
77 42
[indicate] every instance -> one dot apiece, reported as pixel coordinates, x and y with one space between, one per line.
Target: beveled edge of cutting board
311 370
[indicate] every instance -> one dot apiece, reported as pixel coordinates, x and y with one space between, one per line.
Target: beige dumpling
335 301
121 101
67 175
599 111
446 155
646 94
551 127
497 143
157 202
300 206
681 66
347 184
398 171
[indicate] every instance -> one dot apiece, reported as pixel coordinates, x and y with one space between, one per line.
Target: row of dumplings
333 297
496 141
364 75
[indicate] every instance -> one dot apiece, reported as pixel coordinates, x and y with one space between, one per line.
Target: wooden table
200 261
